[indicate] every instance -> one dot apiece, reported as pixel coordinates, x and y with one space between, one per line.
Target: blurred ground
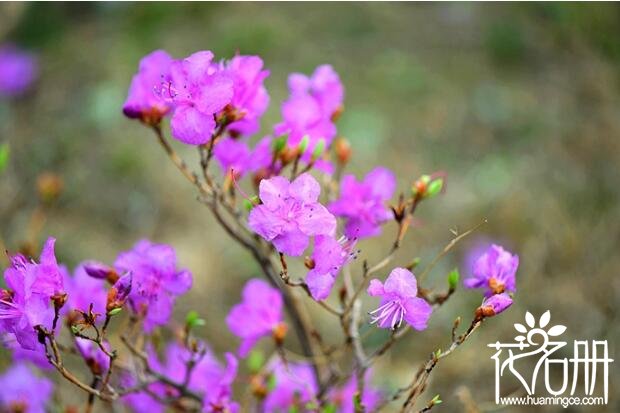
518 104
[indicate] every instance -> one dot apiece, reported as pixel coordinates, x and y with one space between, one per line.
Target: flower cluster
34 289
495 272
298 208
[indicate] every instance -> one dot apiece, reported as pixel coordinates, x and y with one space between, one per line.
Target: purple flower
236 155
290 213
198 90
295 386
494 270
363 203
209 378
22 391
18 69
313 104
344 398
258 315
399 301
96 360
328 258
250 99
27 302
495 304
84 290
155 281
142 100
37 356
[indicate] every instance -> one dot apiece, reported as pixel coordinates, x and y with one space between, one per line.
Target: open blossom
344 397
19 354
495 304
290 213
28 301
250 98
311 107
328 258
155 281
197 90
18 69
258 315
22 391
363 204
495 271
142 100
209 377
399 301
236 155
294 386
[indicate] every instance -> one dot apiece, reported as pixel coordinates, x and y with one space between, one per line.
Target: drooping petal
265 223
191 126
293 242
418 311
320 284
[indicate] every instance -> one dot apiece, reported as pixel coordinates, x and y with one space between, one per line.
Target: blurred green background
517 103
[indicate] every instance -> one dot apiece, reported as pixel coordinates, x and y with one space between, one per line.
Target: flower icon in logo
543 322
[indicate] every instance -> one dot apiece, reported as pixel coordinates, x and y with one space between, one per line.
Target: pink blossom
399 301
290 213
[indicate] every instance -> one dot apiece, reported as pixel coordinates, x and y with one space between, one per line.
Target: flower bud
318 150
303 145
100 271
343 150
49 186
279 332
59 300
279 143
118 293
494 305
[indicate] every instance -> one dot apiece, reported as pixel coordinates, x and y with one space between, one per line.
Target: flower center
497 287
389 314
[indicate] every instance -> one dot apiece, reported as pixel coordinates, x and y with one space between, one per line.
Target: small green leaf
4 156
438 353
115 311
74 329
256 361
453 278
435 400
434 187
193 320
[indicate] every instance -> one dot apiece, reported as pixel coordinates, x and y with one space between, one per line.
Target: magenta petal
272 191
320 284
402 282
418 312
265 223
291 243
382 182
305 188
317 220
375 288
217 93
192 126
